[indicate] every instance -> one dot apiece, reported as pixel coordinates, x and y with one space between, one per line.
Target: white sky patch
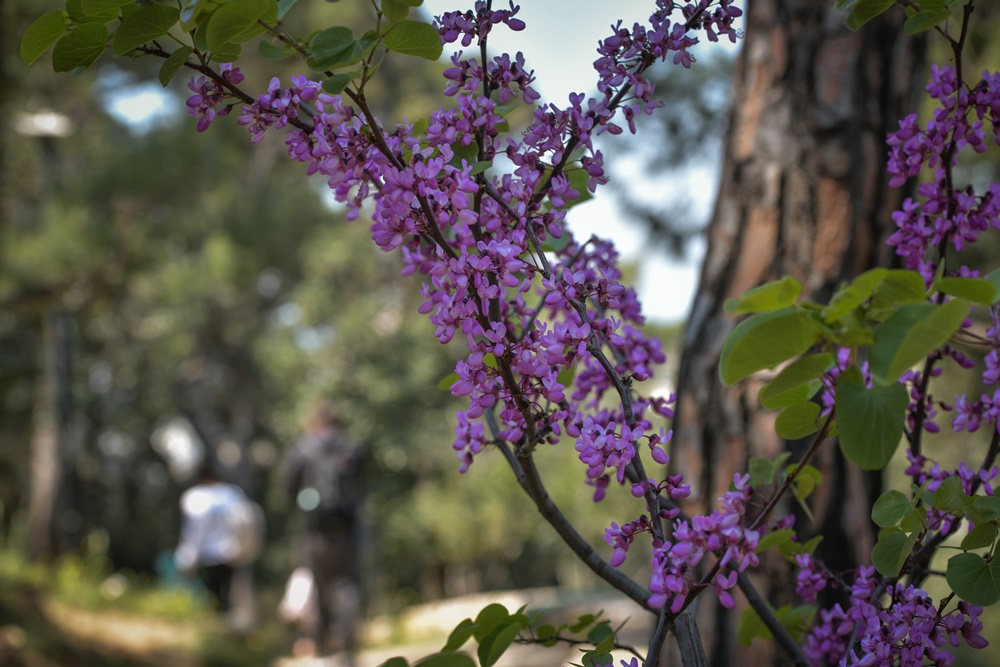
142 106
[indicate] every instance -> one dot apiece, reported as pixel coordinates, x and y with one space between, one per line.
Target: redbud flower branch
528 477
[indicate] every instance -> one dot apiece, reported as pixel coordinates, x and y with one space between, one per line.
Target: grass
78 611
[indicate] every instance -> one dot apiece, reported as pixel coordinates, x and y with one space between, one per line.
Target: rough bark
803 193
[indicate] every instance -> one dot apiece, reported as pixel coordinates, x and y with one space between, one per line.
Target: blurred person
221 534
323 469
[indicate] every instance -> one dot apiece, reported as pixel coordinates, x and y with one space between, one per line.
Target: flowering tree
555 346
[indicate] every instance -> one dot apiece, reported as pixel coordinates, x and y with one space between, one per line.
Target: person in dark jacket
323 480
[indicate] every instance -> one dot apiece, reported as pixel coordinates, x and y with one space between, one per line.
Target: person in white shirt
208 546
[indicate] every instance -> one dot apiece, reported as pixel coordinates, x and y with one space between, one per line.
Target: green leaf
493 647
988 507
285 6
414 38
890 508
448 380
330 48
870 420
273 52
41 34
143 26
461 634
916 520
761 471
752 627
912 333
447 660
602 636
93 7
491 616
898 287
547 634
480 167
107 14
789 550
337 83
769 296
810 546
774 539
197 12
926 20
797 620
584 621
844 5
948 497
395 10
867 10
765 340
976 290
395 662
236 22
927 497
597 659
891 551
173 64
973 579
854 294
463 153
578 180
797 420
983 535
227 53
797 382
80 48
808 479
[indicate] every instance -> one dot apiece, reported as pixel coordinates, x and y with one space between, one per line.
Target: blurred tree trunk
804 193
51 510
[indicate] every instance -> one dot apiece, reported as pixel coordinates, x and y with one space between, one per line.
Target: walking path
423 630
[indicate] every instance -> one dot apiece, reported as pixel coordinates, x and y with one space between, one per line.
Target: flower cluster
475 24
278 106
722 532
970 414
526 312
811 579
944 216
675 561
209 94
906 631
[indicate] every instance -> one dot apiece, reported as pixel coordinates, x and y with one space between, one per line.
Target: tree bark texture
803 193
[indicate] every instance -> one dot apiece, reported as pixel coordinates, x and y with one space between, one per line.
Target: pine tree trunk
803 193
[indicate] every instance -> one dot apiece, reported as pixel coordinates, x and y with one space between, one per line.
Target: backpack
331 476
245 525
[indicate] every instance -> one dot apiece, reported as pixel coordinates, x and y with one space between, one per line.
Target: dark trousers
218 579
332 556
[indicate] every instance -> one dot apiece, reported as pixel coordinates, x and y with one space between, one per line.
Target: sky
562 66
